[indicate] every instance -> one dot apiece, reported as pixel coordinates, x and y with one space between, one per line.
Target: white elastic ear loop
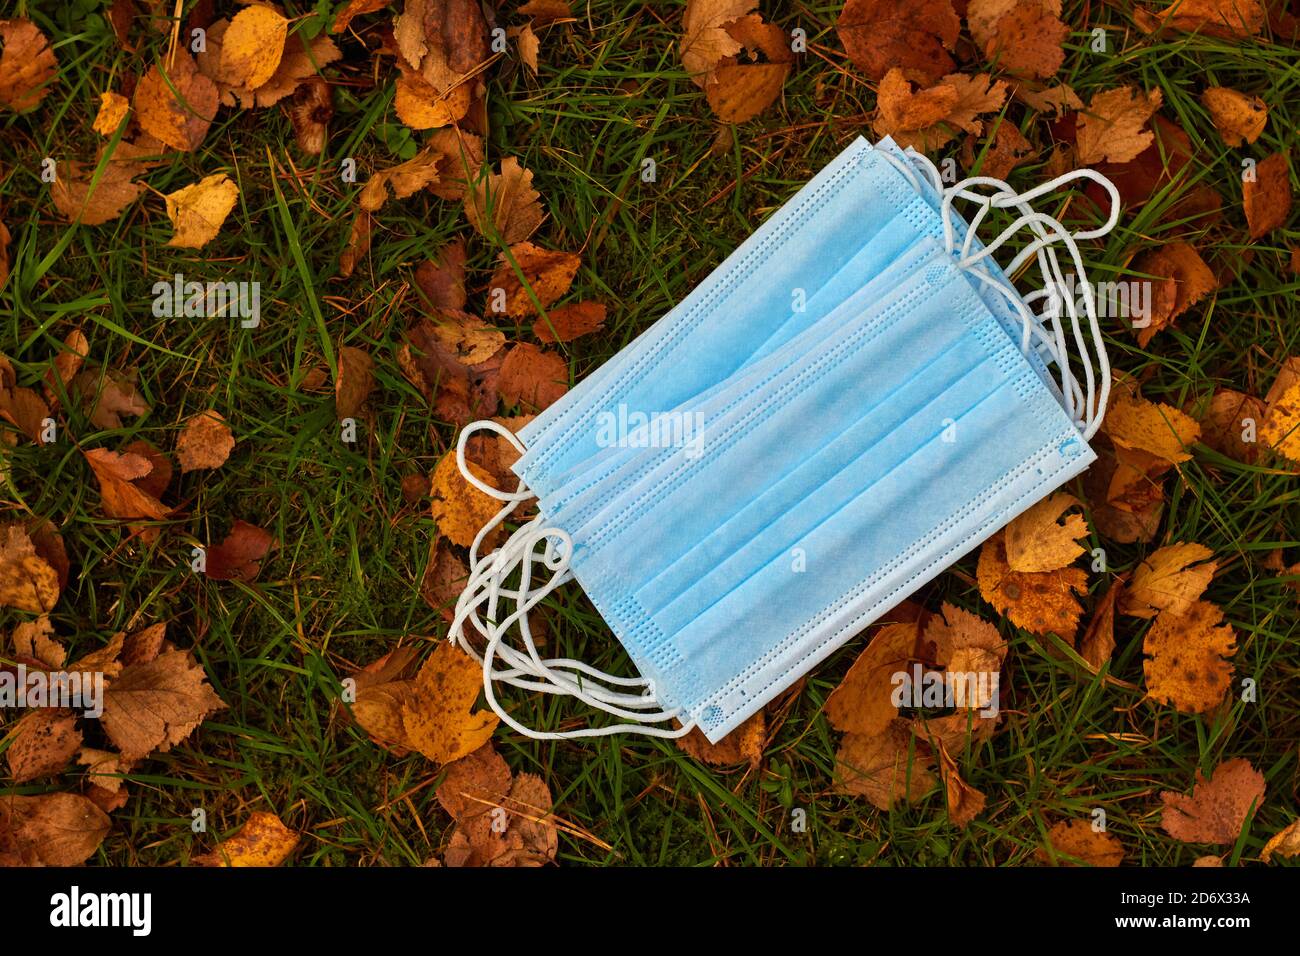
487 575
1094 404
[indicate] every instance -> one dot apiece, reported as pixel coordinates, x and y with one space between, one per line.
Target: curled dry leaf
239 556
181 122
263 840
1267 197
1238 117
459 393
504 205
1182 279
1185 662
1218 805
743 85
35 641
1113 127
205 442
1023 37
1040 602
64 367
158 704
706 40
53 829
354 382
113 108
1286 842
199 210
1071 842
928 118
1098 641
915 36
568 322
310 112
965 803
444 578
106 395
120 476
1037 540
27 65
21 407
547 274
458 508
1171 578
1228 19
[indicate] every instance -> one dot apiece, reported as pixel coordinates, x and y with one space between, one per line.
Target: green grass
343 586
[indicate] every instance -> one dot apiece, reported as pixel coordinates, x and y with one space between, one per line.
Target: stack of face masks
855 399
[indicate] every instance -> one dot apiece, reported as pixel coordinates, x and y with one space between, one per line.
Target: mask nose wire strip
527 669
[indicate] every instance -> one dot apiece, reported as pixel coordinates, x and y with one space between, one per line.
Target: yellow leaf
262 841
1038 541
1185 663
438 718
1281 427
1113 127
1078 840
198 211
1040 602
1157 429
252 47
113 108
458 508
1239 118
1166 580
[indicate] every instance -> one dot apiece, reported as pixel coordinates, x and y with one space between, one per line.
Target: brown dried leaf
119 475
744 85
1218 805
548 275
438 716
913 35
504 205
53 829
706 40
1023 37
1239 118
742 745
1077 839
43 741
204 442
1113 127
863 702
1267 197
1155 428
354 382
883 767
532 378
179 121
157 705
1098 641
239 556
27 65
457 507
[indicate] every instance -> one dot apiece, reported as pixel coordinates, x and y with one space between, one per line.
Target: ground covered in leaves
259 262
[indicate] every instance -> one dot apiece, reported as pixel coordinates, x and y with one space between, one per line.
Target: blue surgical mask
838 469
835 234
